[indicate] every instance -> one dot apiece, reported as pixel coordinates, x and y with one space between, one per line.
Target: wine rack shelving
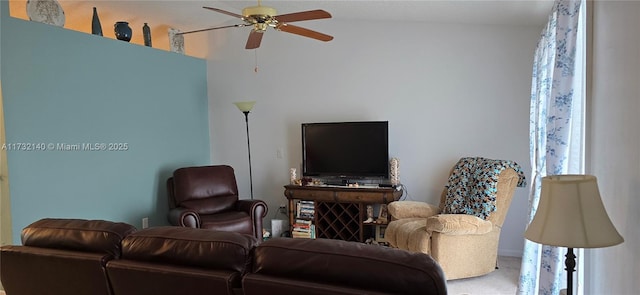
340 211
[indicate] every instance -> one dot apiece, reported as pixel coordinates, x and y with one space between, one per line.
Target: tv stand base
340 212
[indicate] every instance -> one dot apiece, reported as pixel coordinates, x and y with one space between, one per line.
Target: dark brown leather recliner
207 197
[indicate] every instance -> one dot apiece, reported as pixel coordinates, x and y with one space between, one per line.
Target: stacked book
305 210
303 229
303 226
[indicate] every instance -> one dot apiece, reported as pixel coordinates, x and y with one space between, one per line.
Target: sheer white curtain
556 132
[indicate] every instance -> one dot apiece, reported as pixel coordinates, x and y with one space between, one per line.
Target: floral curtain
555 134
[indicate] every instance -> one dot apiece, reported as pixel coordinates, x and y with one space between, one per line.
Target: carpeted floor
503 281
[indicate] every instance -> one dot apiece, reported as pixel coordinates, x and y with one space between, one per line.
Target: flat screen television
346 151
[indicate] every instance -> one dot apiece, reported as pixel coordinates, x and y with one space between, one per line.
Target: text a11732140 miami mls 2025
59 146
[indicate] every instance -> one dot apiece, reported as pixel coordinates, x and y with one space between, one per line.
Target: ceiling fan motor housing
259 12
260 17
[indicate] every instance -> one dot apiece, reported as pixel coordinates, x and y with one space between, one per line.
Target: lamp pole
245 107
246 120
570 264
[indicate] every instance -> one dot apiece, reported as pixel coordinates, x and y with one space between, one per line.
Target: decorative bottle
292 176
394 171
146 33
123 31
176 41
96 27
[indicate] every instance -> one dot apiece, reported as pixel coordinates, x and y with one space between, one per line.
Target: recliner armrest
181 216
252 206
257 209
411 209
458 224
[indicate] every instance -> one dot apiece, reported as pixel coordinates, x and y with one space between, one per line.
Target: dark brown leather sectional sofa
93 257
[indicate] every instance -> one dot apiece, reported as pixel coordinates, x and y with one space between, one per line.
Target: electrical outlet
282 209
145 222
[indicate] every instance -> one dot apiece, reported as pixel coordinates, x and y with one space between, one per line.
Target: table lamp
571 214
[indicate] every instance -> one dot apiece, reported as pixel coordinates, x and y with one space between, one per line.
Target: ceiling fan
261 17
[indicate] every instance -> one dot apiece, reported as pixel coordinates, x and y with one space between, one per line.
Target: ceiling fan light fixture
250 11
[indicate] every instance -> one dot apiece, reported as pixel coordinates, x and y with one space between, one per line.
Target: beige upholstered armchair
463 232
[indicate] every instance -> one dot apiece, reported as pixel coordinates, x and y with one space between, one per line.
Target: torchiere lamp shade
245 106
571 214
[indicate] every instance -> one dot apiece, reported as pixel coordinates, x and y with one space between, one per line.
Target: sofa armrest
184 217
411 209
458 224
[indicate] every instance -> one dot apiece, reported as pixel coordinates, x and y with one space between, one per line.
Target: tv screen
346 149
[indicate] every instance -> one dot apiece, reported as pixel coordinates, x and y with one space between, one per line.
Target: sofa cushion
190 247
62 256
96 236
342 264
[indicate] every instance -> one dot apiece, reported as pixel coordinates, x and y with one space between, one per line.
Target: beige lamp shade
571 214
245 106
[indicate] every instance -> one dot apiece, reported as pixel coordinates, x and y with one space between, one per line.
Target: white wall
447 90
614 145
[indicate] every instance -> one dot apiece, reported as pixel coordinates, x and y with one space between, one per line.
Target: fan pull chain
255 69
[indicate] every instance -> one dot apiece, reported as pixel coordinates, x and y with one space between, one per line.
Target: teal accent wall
66 89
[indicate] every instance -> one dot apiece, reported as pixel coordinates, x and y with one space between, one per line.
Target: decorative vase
369 214
123 31
394 171
176 41
96 27
292 176
46 11
146 33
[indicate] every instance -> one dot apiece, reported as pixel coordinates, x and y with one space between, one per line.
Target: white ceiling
190 15
530 12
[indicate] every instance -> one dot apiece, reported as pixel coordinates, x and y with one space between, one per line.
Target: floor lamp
245 107
571 214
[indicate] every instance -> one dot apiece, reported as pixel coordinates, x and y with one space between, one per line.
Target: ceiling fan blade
255 37
303 32
303 15
209 29
223 11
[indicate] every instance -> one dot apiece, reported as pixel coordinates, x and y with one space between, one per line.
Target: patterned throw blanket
472 186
